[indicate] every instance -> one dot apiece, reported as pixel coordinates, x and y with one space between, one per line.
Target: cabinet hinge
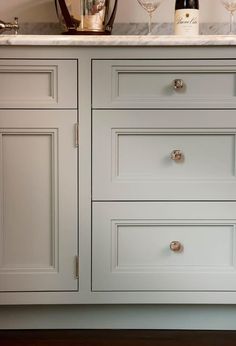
77 134
76 267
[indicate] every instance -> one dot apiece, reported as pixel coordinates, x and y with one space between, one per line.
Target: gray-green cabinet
161 138
38 176
144 211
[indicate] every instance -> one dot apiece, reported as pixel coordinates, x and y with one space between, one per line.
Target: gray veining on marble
40 29
123 29
166 29
131 34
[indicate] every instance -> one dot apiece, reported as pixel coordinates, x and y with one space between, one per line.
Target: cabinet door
38 200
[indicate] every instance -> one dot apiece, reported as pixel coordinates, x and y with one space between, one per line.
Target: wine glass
230 6
150 6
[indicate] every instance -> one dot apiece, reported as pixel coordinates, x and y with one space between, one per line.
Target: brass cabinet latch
77 135
76 267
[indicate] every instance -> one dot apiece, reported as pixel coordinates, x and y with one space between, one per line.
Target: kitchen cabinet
144 210
38 179
160 138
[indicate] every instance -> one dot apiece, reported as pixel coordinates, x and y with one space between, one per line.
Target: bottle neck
181 4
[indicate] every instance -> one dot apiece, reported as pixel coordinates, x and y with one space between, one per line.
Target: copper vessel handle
112 18
66 14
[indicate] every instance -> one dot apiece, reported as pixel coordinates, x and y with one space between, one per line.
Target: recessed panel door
38 199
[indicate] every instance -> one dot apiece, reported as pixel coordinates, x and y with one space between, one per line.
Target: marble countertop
117 40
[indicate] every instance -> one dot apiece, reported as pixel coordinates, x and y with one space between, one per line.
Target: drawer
164 84
135 155
164 246
38 83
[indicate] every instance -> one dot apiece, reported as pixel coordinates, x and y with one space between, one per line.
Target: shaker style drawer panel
164 246
38 83
164 155
164 84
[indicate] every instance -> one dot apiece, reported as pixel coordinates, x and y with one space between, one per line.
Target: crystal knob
177 155
178 84
176 246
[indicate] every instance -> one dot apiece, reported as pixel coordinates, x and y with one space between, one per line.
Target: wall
128 11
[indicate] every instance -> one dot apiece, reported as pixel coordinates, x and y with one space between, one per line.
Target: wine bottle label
187 22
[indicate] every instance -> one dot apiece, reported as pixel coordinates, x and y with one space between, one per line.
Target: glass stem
231 23
150 23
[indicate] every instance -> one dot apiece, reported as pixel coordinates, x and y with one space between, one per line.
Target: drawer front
164 246
164 155
38 84
164 84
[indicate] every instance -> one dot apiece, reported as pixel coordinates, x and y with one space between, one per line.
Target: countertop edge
115 40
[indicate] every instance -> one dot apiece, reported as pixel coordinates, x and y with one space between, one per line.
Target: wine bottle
186 17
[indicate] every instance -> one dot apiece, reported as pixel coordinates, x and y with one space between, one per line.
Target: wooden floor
115 338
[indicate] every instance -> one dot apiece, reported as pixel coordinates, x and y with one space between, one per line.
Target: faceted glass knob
177 155
178 84
176 246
